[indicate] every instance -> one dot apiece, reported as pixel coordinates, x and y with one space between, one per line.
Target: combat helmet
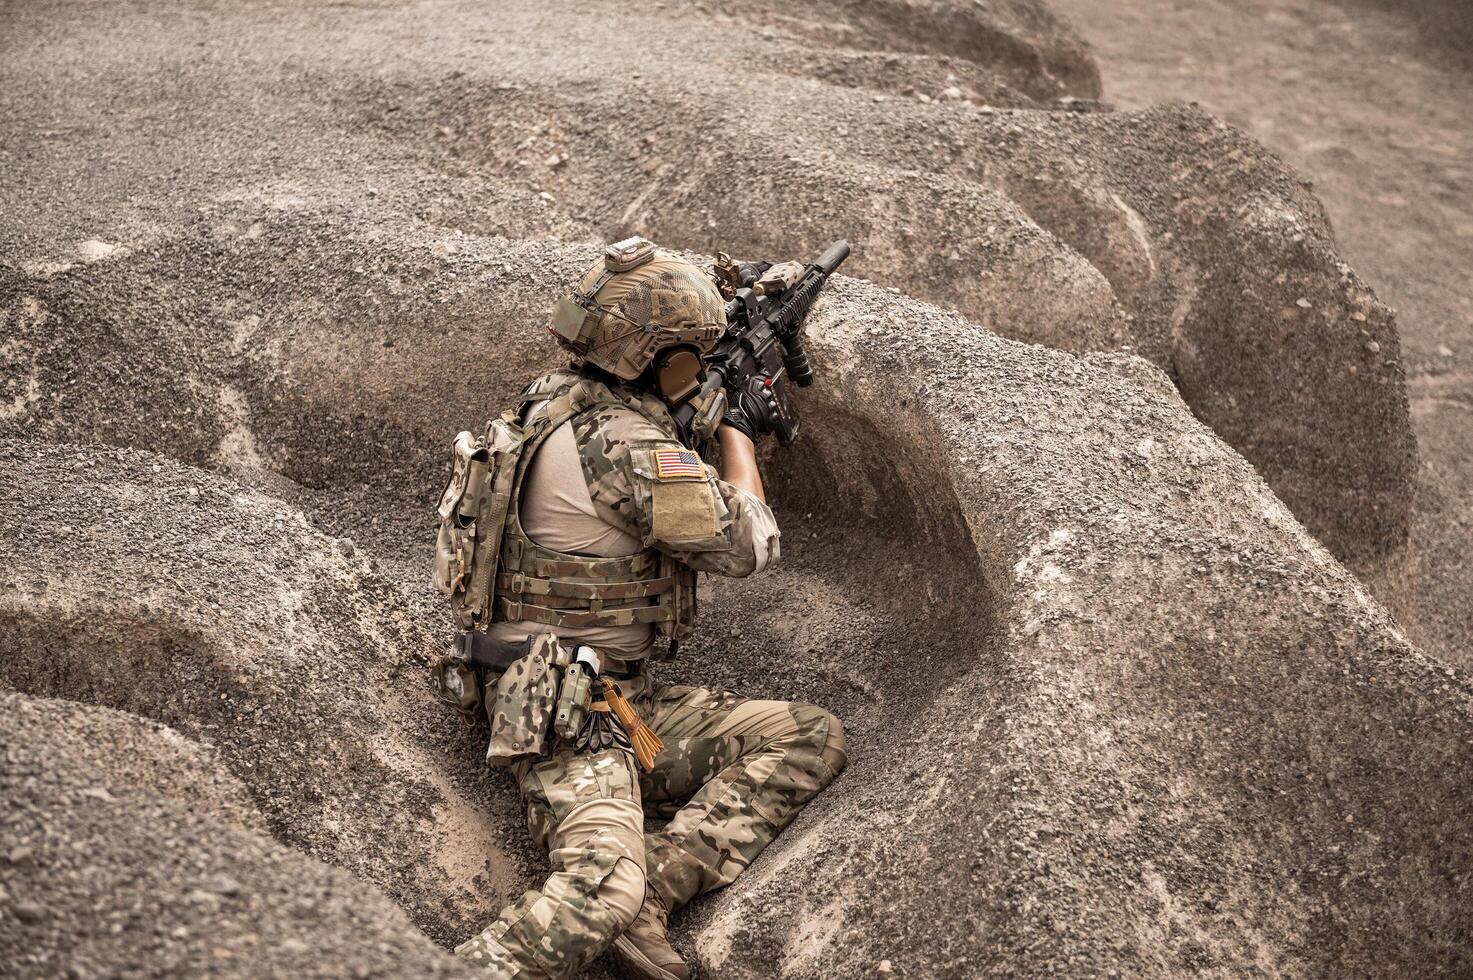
635 303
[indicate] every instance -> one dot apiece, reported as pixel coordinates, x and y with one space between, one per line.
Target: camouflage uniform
733 771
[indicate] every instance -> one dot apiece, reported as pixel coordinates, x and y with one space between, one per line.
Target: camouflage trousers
733 773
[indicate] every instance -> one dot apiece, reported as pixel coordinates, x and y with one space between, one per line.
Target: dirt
1163 230
1113 708
223 614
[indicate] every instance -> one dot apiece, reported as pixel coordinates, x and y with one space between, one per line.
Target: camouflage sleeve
653 488
752 531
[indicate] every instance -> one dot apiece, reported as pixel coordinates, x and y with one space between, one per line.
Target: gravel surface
223 614
1370 98
1164 230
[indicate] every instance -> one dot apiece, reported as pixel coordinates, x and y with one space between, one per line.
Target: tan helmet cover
619 320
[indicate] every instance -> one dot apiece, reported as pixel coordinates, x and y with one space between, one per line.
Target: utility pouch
683 599
576 694
456 675
472 514
521 713
454 681
455 544
573 699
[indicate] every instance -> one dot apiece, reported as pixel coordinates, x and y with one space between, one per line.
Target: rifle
762 352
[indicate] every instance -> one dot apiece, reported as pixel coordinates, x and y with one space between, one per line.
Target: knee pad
825 733
835 751
622 891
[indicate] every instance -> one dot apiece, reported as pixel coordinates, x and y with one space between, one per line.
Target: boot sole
636 965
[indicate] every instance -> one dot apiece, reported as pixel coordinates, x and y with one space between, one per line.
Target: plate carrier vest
494 572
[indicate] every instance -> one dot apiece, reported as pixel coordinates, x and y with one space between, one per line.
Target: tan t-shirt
558 511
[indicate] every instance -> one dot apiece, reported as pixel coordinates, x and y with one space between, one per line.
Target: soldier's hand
752 408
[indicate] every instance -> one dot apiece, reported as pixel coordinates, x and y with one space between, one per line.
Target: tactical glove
751 409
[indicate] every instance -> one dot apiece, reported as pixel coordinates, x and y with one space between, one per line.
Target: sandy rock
1091 666
1022 41
172 872
1140 690
92 250
1165 230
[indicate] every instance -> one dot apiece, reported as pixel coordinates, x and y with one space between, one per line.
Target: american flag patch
672 464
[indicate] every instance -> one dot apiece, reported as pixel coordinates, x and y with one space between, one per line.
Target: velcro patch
678 464
683 511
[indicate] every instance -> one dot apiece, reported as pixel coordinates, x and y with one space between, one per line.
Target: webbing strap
551 565
598 285
580 605
523 612
572 588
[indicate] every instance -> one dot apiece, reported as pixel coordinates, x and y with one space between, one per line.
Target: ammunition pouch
549 696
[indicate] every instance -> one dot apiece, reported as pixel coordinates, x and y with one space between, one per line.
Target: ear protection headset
678 373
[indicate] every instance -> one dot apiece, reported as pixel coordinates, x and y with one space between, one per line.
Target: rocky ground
1116 705
132 851
1370 99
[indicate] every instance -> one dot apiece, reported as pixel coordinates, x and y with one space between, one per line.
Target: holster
526 695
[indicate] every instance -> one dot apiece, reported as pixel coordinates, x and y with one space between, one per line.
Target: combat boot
643 951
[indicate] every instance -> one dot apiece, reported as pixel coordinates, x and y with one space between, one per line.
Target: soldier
610 513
